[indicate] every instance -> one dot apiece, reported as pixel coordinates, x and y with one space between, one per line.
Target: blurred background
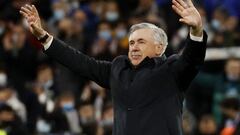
41 97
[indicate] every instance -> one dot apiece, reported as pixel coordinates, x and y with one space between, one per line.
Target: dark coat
148 98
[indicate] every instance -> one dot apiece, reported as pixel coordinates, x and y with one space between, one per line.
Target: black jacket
148 98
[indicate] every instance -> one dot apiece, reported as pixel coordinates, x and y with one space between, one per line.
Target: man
147 88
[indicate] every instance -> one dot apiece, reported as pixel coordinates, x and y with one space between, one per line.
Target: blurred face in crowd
207 125
112 13
44 75
145 3
87 111
219 17
231 23
59 10
230 113
79 19
142 45
67 102
18 35
5 94
120 31
65 28
7 116
104 31
232 69
108 114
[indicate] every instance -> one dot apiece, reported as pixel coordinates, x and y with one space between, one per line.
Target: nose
135 47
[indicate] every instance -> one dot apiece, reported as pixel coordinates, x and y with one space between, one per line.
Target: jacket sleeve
85 66
186 67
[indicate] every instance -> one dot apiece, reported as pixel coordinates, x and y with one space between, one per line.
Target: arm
98 71
187 65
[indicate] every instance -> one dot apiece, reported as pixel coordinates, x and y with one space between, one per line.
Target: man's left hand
189 16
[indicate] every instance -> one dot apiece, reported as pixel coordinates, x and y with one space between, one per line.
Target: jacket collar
148 62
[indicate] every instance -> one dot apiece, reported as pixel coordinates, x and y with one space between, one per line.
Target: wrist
196 31
41 34
44 38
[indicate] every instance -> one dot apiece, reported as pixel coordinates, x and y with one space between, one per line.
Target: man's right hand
31 15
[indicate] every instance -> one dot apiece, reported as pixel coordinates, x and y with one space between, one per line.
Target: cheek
148 51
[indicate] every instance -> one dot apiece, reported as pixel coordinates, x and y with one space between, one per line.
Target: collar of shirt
147 62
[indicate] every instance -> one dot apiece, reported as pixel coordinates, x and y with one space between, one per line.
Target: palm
31 15
188 13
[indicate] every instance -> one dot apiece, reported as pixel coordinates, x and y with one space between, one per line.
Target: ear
159 49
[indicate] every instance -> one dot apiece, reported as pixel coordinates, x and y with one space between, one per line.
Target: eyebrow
138 40
141 39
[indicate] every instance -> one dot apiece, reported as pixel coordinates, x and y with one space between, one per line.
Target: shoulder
172 58
120 59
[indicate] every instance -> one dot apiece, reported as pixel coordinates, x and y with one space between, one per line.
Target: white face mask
112 16
59 14
48 84
107 122
232 77
216 24
3 79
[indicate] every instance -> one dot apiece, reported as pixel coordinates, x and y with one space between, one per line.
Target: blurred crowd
38 96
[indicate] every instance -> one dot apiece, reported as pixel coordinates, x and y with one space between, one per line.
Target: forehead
146 34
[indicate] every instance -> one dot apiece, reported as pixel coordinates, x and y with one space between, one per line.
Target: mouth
136 57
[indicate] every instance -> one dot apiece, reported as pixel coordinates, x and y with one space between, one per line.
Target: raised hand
189 15
30 13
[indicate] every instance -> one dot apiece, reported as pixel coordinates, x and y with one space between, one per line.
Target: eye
131 43
141 42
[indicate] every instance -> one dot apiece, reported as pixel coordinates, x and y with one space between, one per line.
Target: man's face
141 45
232 69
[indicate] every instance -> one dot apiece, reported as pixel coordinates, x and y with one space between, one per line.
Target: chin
135 63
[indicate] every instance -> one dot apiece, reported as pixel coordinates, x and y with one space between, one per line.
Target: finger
182 3
23 13
190 3
35 10
177 5
28 12
177 10
29 7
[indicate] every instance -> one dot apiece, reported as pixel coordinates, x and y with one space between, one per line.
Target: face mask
121 33
216 24
232 77
105 34
112 16
85 121
3 79
42 126
107 122
48 84
68 106
59 14
75 4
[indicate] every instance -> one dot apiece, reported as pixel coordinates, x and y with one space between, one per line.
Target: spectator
19 57
10 123
207 126
222 85
9 97
87 118
231 108
65 118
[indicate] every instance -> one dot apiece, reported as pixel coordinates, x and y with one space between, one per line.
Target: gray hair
159 34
